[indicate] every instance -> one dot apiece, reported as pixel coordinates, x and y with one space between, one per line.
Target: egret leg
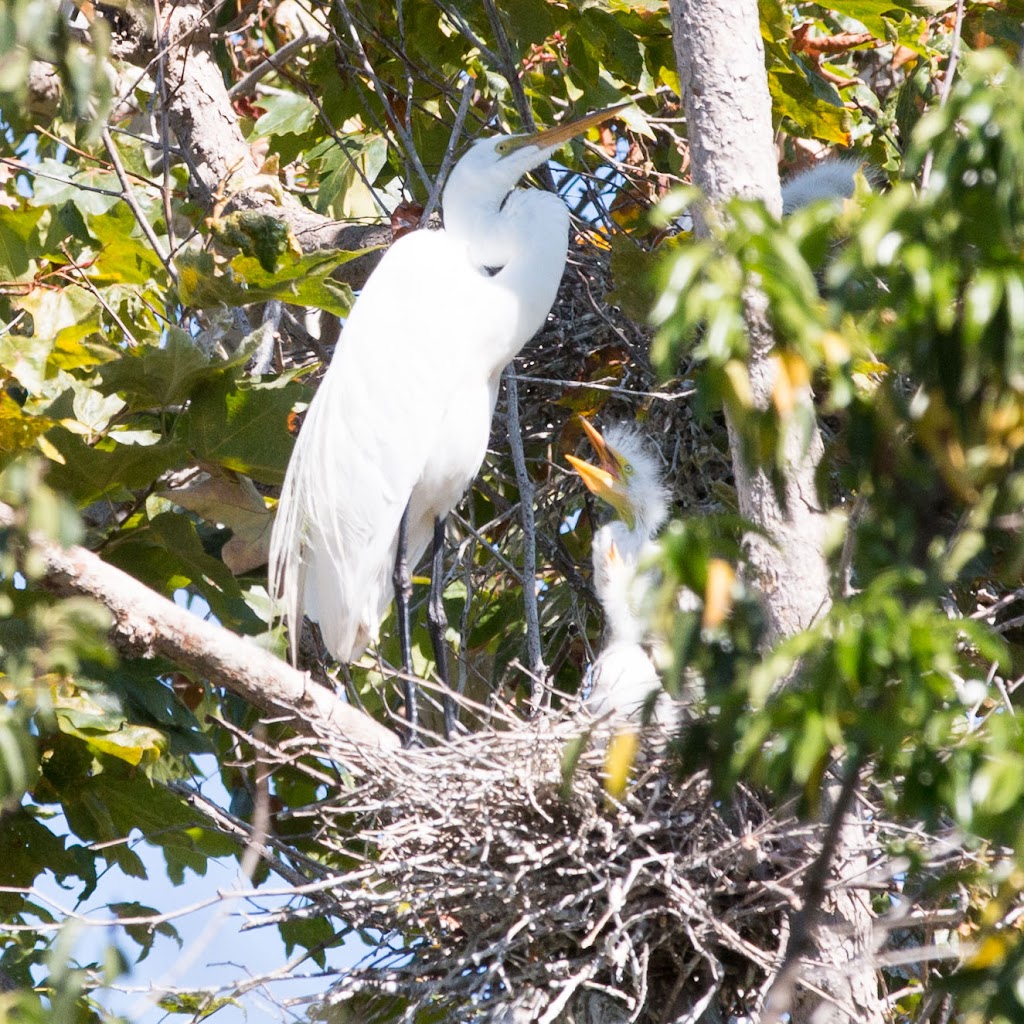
437 626
403 591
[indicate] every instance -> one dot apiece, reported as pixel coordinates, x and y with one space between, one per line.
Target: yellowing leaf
718 594
18 430
834 348
792 376
618 762
991 952
739 382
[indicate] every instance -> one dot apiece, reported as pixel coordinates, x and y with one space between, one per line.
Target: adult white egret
623 678
399 426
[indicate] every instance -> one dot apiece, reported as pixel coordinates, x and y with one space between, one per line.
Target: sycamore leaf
305 281
89 473
242 427
58 319
20 245
18 430
144 934
234 502
151 377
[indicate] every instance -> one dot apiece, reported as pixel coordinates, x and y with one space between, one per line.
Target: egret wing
367 437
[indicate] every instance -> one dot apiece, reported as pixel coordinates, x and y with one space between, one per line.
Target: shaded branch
147 625
221 164
780 998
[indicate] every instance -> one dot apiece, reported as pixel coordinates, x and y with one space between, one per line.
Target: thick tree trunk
732 153
728 109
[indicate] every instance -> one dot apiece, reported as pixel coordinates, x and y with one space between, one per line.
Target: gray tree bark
728 109
732 152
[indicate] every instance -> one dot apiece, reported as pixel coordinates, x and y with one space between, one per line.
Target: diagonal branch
780 998
148 625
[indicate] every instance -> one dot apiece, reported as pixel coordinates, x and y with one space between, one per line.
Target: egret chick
623 678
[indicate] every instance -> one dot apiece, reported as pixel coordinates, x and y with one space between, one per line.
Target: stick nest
505 887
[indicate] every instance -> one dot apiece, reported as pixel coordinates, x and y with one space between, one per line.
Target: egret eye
503 147
627 469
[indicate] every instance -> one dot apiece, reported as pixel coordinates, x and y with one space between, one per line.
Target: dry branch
148 625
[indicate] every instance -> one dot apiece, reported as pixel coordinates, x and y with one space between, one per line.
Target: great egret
399 426
623 678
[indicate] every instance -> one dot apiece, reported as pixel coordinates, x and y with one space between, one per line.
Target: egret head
628 476
492 166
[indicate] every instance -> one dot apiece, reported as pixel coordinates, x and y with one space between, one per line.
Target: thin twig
272 62
687 389
396 125
468 88
528 573
947 85
98 295
128 195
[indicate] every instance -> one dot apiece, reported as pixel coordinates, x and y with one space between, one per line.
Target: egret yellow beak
552 137
608 480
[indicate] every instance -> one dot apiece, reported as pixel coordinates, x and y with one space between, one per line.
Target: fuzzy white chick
623 679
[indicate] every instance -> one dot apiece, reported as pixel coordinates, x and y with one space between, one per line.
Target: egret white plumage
399 426
623 678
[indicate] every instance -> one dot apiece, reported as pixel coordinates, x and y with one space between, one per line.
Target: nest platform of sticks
506 887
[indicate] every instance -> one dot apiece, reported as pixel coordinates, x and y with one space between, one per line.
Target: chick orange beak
599 481
603 481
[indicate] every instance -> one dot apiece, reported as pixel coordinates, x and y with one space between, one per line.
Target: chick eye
628 469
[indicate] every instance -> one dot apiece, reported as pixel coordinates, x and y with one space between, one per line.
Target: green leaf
158 377
169 556
108 469
794 100
287 113
304 282
877 15
310 933
144 934
242 427
125 255
117 801
20 244
27 849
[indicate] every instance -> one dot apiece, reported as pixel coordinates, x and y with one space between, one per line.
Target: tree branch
780 998
148 625
728 111
200 114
